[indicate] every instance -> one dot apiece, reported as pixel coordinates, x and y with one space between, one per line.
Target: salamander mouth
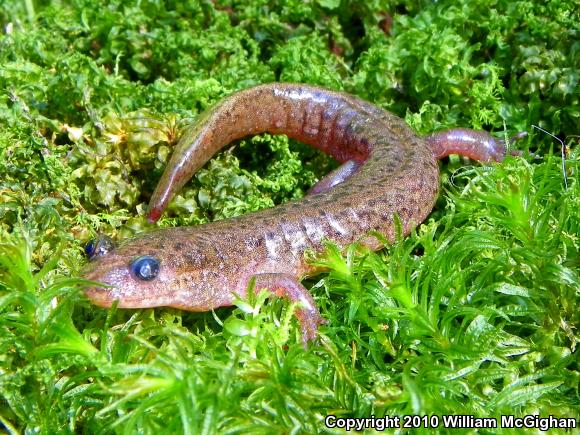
105 297
100 296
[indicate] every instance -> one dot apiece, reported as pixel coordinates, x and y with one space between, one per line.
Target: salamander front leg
284 285
335 177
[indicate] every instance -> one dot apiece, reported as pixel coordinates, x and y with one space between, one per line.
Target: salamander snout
143 268
134 281
124 276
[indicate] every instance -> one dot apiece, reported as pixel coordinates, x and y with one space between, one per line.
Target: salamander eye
145 268
99 247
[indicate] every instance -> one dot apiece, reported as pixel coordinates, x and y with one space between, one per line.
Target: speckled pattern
201 266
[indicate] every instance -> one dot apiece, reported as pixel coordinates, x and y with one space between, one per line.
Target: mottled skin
388 170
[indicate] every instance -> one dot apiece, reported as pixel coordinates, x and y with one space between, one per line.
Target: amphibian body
387 170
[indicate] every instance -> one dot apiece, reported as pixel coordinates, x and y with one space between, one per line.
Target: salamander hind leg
477 145
340 174
285 285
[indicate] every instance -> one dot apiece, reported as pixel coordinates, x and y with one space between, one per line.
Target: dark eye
99 246
145 268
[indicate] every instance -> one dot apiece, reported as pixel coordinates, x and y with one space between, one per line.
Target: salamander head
138 274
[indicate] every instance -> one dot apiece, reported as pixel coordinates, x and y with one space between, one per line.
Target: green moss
476 313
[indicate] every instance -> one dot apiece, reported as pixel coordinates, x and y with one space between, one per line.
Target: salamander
387 170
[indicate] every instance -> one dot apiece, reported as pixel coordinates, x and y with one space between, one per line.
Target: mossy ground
476 313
